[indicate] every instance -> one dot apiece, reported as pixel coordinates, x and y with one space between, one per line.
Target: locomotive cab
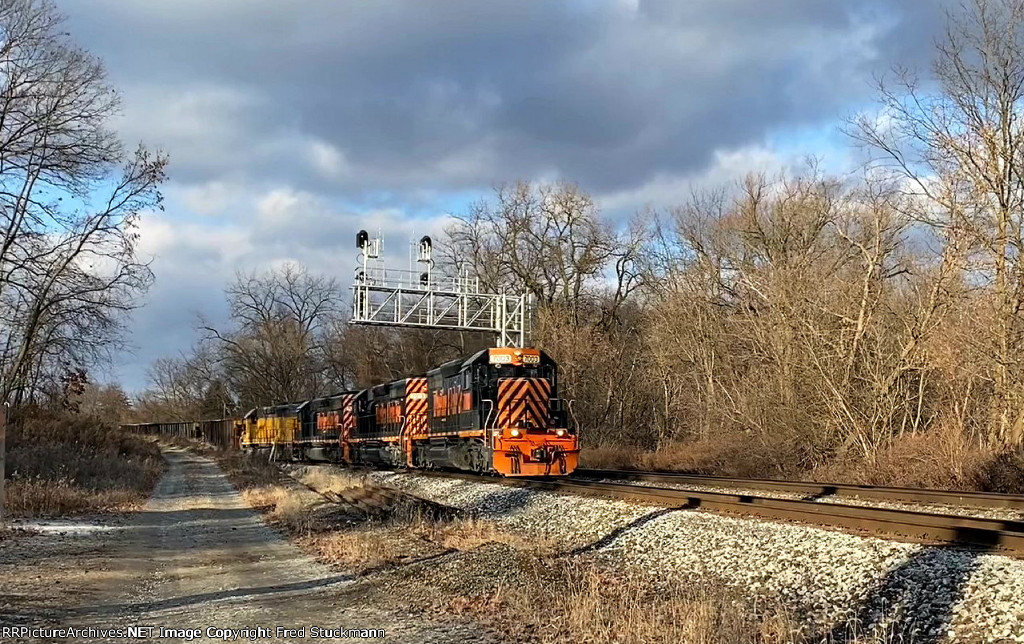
531 435
247 432
498 411
325 426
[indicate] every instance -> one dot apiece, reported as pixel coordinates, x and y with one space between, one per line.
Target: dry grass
1005 473
579 601
325 479
379 545
609 457
552 600
403 529
939 459
62 464
913 461
722 455
369 548
286 506
471 533
265 497
41 498
247 470
293 510
264 488
379 529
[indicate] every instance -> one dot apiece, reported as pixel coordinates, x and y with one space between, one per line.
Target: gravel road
195 557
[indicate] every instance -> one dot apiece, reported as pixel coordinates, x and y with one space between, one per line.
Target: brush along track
371 500
819 491
970 531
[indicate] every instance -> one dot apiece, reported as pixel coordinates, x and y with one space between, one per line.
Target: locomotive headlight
515 433
559 432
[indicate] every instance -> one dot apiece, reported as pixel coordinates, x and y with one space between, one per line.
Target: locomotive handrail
487 419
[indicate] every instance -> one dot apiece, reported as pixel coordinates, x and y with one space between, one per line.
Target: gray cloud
195 260
292 124
461 94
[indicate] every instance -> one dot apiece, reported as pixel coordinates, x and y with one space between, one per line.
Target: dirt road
196 557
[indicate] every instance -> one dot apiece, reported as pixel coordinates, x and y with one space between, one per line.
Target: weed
61 464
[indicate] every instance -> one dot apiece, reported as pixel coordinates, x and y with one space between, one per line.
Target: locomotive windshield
547 372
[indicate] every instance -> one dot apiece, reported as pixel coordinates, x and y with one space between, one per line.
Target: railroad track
814 491
984 533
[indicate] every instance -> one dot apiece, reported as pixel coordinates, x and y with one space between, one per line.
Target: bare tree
551 241
187 387
959 149
795 313
70 196
103 401
275 350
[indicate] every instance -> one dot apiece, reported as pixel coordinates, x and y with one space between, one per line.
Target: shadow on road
205 598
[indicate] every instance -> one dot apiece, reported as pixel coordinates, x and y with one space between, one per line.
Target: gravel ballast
839 585
1001 514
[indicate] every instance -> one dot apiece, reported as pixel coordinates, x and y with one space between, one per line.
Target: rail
621 484
917 526
813 490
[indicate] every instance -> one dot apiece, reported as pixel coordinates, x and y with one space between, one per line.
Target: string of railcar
495 412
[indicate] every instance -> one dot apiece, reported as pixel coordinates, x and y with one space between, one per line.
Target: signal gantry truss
403 298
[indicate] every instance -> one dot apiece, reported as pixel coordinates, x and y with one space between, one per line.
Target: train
496 412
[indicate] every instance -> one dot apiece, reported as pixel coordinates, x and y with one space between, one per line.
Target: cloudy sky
290 125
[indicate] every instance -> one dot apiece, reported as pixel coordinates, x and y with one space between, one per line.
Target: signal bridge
419 299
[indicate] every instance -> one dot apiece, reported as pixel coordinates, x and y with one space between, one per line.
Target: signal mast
385 296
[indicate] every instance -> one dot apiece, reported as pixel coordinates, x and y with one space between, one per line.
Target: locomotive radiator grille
348 414
416 405
523 402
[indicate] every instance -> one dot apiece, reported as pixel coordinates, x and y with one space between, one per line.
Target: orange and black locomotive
497 411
